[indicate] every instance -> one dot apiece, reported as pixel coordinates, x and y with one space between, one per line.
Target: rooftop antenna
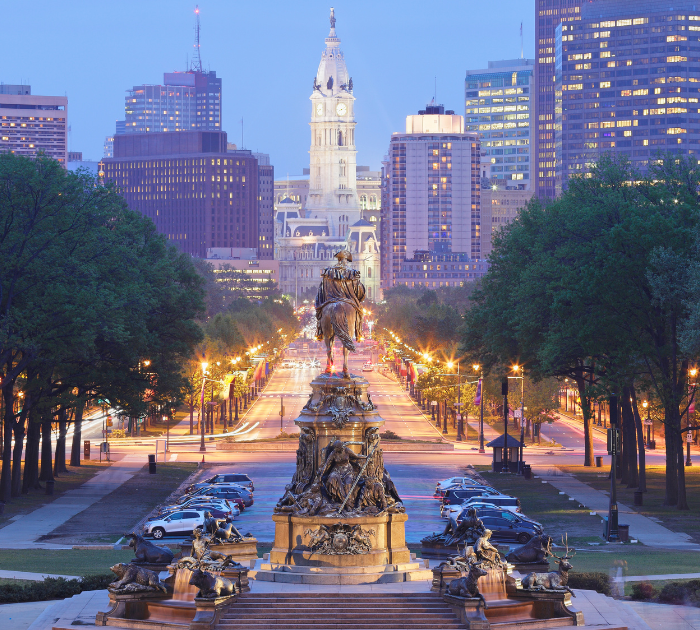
522 56
196 59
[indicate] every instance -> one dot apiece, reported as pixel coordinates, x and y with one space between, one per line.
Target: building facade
31 123
186 101
499 207
549 14
431 194
627 82
196 193
266 205
498 105
241 272
329 217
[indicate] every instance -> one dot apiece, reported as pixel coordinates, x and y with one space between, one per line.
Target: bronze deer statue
554 580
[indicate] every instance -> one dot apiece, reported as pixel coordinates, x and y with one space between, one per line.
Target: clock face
341 109
319 109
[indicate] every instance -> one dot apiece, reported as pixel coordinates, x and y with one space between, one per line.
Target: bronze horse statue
338 310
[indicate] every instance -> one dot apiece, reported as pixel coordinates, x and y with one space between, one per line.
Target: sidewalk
36 577
22 533
641 528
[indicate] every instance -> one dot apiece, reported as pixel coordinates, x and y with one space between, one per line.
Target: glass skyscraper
498 106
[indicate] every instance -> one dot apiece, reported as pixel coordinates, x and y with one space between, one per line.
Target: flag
477 397
691 408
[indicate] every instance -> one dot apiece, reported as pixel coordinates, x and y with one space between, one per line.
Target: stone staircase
346 611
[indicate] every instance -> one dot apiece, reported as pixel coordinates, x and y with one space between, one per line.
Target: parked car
461 482
506 526
511 504
224 491
216 512
459 495
240 479
177 523
216 502
446 483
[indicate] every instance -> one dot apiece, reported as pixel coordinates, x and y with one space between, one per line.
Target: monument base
386 533
245 552
267 571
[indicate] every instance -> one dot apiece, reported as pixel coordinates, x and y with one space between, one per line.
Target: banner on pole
477 397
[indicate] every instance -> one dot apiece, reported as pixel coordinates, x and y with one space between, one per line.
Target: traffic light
614 441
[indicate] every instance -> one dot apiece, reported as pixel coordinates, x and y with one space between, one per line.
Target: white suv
182 522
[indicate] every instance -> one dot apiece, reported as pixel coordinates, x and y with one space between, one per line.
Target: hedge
52 588
594 581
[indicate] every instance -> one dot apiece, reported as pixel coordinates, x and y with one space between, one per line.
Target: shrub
52 588
643 591
681 593
118 433
389 435
594 581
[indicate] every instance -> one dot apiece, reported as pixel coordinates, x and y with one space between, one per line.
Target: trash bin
638 497
152 464
527 471
624 532
652 445
599 461
86 449
49 487
605 527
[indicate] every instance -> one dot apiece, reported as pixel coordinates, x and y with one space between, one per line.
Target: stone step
338 615
326 624
532 623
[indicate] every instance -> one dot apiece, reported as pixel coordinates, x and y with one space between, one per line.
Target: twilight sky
267 53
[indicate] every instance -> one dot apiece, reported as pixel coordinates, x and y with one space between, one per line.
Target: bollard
49 486
152 464
599 462
86 449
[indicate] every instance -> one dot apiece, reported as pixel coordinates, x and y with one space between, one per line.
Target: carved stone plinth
442 576
209 612
292 541
239 577
528 567
470 611
438 551
127 609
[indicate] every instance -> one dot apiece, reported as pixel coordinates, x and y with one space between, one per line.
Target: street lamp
516 369
202 447
688 461
476 367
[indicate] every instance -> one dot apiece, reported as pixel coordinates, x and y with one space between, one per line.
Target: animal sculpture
134 574
147 552
211 586
468 585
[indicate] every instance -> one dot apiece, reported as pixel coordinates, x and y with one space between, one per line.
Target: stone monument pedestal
388 541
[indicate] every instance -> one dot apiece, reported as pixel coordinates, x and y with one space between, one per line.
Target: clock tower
332 189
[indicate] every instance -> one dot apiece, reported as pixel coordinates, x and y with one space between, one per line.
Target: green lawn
76 476
117 513
675 520
62 561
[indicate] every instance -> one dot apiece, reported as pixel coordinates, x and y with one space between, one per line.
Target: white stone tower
332 188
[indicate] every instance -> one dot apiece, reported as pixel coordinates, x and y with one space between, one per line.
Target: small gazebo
498 446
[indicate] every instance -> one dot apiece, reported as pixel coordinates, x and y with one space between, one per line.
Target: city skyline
264 66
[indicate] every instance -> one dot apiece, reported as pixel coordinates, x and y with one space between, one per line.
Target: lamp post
460 422
613 446
516 368
504 392
688 460
481 408
202 447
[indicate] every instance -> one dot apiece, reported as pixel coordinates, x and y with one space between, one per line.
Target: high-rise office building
431 223
266 206
548 15
627 82
187 101
30 123
498 105
197 194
